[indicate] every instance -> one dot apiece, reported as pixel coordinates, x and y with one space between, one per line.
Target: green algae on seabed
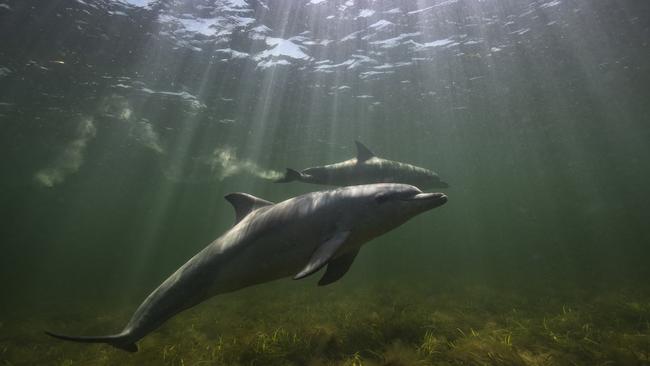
394 326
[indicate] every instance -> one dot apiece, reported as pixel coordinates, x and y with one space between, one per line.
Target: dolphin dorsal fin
363 153
245 203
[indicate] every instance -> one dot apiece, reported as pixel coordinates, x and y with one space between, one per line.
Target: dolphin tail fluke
290 176
118 340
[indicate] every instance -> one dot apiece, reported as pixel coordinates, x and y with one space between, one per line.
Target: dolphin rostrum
365 168
296 237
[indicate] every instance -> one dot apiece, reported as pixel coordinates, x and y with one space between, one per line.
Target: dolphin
365 168
296 237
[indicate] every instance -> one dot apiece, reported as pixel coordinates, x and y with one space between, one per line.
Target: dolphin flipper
338 267
117 340
323 254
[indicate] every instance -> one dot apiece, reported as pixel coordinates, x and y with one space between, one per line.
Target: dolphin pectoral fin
338 267
244 203
363 153
323 254
117 341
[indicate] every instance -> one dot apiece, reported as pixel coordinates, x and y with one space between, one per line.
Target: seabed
380 325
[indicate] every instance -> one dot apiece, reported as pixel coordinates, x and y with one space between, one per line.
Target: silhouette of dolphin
366 168
296 237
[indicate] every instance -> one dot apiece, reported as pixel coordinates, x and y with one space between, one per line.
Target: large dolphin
366 168
296 237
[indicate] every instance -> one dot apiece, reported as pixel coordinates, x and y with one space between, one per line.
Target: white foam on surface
381 24
365 13
280 50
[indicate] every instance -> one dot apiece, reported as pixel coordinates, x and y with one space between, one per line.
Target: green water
125 123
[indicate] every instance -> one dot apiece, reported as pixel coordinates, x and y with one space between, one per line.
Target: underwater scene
325 182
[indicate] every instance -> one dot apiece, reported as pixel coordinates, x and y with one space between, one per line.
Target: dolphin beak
431 200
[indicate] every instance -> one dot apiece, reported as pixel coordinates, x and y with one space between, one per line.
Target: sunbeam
133 131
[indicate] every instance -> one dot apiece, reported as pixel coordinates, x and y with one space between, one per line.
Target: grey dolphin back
245 203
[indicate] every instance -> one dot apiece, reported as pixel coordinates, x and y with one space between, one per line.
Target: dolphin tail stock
120 341
289 176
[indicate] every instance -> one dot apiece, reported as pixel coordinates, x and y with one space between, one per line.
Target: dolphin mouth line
439 198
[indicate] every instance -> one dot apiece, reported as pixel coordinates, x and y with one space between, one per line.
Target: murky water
125 123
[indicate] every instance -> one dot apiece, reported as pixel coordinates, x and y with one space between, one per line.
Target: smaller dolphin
296 237
366 168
